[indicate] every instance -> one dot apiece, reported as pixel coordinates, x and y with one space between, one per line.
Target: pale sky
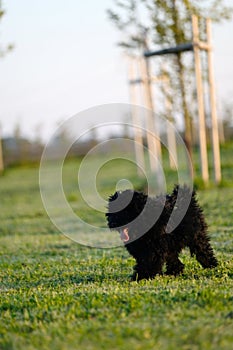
66 60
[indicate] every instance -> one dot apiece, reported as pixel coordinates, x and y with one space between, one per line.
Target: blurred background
58 59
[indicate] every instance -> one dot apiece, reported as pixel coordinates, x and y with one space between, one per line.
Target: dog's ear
113 197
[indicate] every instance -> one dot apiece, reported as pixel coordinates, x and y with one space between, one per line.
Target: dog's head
123 208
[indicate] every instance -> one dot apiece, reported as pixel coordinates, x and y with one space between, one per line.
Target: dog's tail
192 229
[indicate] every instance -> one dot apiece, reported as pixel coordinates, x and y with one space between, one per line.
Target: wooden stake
171 137
214 119
1 155
200 97
138 136
153 140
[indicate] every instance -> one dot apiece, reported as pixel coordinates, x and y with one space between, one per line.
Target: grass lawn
58 295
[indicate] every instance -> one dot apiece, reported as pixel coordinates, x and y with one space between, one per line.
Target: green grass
56 294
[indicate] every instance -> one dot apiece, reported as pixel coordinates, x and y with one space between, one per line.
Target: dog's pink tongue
124 235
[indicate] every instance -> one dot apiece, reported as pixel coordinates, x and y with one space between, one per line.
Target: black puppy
143 222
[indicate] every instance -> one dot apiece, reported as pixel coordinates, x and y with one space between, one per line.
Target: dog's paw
134 277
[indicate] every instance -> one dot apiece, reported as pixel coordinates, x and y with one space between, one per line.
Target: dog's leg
174 265
202 249
147 269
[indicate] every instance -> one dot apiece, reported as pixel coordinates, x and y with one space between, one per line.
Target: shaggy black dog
143 223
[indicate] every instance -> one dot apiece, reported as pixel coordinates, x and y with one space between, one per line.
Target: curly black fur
152 246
